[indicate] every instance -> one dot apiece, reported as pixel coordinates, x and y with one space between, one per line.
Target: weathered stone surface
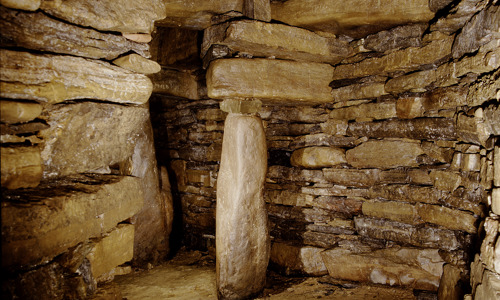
318 157
200 14
385 154
359 91
408 59
142 38
419 129
305 114
496 166
21 167
490 252
335 127
449 218
137 63
61 214
470 162
396 38
450 285
482 28
111 132
396 211
345 206
297 259
242 238
257 9
368 111
123 16
278 81
39 32
487 88
178 83
474 129
419 269
357 19
489 287
114 249
406 193
352 177
240 106
18 112
287 197
458 16
31 5
436 5
321 139
53 79
275 40
22 129
420 236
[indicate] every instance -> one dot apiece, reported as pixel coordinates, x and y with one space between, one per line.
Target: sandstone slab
318 157
123 16
384 154
458 16
359 91
138 64
396 211
18 112
297 259
489 287
261 39
21 167
85 137
178 83
357 19
30 5
449 218
54 79
496 166
257 9
366 111
242 238
279 81
40 32
419 269
396 38
38 230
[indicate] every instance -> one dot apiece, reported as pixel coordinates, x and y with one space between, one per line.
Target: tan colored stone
474 129
445 180
240 106
137 63
357 19
242 238
450 285
114 249
21 167
123 16
318 157
73 146
449 218
408 59
396 211
406 193
14 139
30 5
40 32
54 79
322 139
396 38
142 38
87 207
257 9
410 107
296 259
385 154
278 81
359 91
487 88
469 162
368 111
489 287
418 269
18 112
490 254
458 16
335 127
275 40
200 14
287 197
178 83
352 177
496 166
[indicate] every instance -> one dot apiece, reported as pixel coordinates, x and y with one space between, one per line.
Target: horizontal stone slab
110 15
178 83
62 213
54 79
396 38
392 210
30 5
136 63
21 167
322 139
385 154
18 112
277 81
418 129
415 268
420 236
261 39
318 157
359 91
449 218
357 19
365 111
72 146
294 259
40 32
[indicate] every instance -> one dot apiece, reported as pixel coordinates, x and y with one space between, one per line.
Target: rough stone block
279 81
449 218
62 214
318 157
261 39
352 177
138 64
357 19
418 269
257 9
114 249
298 259
54 79
21 167
450 285
30 5
396 38
384 154
18 112
359 91
396 211
178 83
496 166
368 111
489 287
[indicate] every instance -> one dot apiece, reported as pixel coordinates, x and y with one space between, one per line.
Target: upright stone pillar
242 237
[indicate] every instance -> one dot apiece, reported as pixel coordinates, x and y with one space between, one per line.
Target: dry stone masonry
361 142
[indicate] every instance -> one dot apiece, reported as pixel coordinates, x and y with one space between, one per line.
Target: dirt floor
191 275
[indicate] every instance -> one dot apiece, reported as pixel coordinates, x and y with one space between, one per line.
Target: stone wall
380 146
80 189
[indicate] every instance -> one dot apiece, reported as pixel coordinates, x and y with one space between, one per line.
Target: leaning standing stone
242 239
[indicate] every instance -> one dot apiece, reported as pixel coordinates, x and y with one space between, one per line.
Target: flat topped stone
275 81
356 18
